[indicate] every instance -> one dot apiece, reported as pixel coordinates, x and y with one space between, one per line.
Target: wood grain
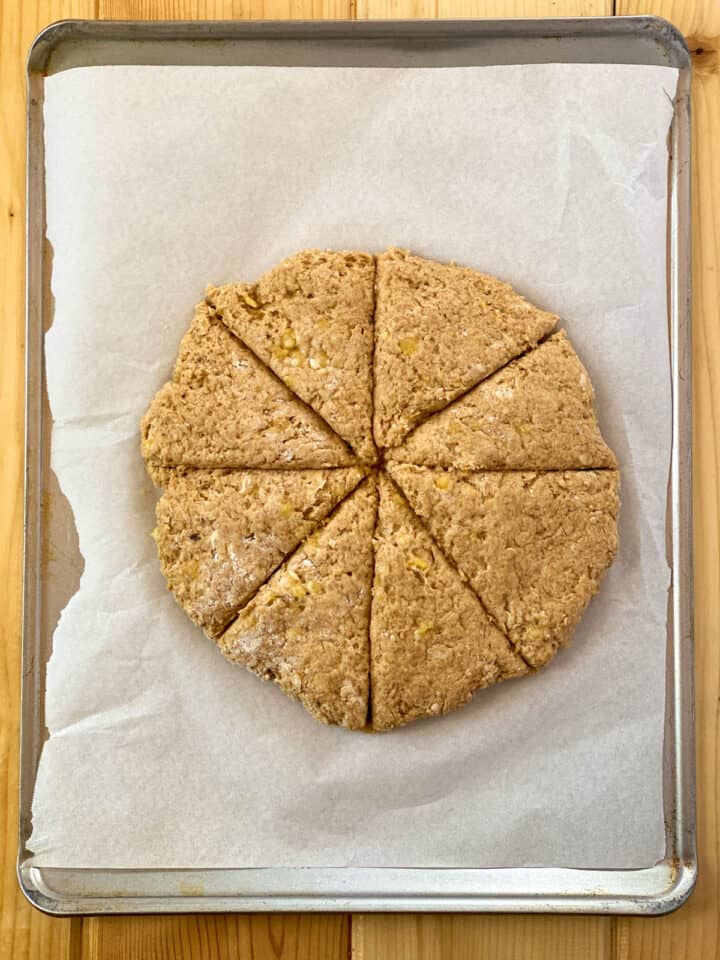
224 9
468 938
525 8
693 933
384 9
289 937
498 937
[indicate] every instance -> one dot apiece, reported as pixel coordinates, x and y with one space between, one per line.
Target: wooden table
693 933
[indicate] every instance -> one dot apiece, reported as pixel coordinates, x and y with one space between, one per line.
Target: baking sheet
160 179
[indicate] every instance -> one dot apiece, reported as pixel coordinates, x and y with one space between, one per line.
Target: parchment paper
161 179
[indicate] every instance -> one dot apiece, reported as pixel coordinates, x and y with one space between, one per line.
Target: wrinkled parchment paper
160 179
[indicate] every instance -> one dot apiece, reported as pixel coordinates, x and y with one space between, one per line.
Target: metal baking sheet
655 890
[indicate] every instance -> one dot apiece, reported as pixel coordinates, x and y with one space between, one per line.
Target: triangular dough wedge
440 329
431 643
533 546
310 319
223 408
307 628
537 413
221 534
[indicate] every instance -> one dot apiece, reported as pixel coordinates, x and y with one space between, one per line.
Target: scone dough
385 483
310 319
307 627
533 546
223 408
432 644
220 534
536 413
440 329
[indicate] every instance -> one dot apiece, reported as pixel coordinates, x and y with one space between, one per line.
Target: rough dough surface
533 546
431 643
310 319
307 627
340 381
221 534
440 329
223 408
537 413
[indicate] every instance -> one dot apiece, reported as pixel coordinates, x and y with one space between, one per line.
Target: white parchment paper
161 179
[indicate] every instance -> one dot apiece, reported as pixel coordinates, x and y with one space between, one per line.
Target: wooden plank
525 8
210 937
396 9
468 938
386 9
224 9
694 930
199 937
25 934
499 937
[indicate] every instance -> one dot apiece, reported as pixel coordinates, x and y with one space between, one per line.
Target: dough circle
385 485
